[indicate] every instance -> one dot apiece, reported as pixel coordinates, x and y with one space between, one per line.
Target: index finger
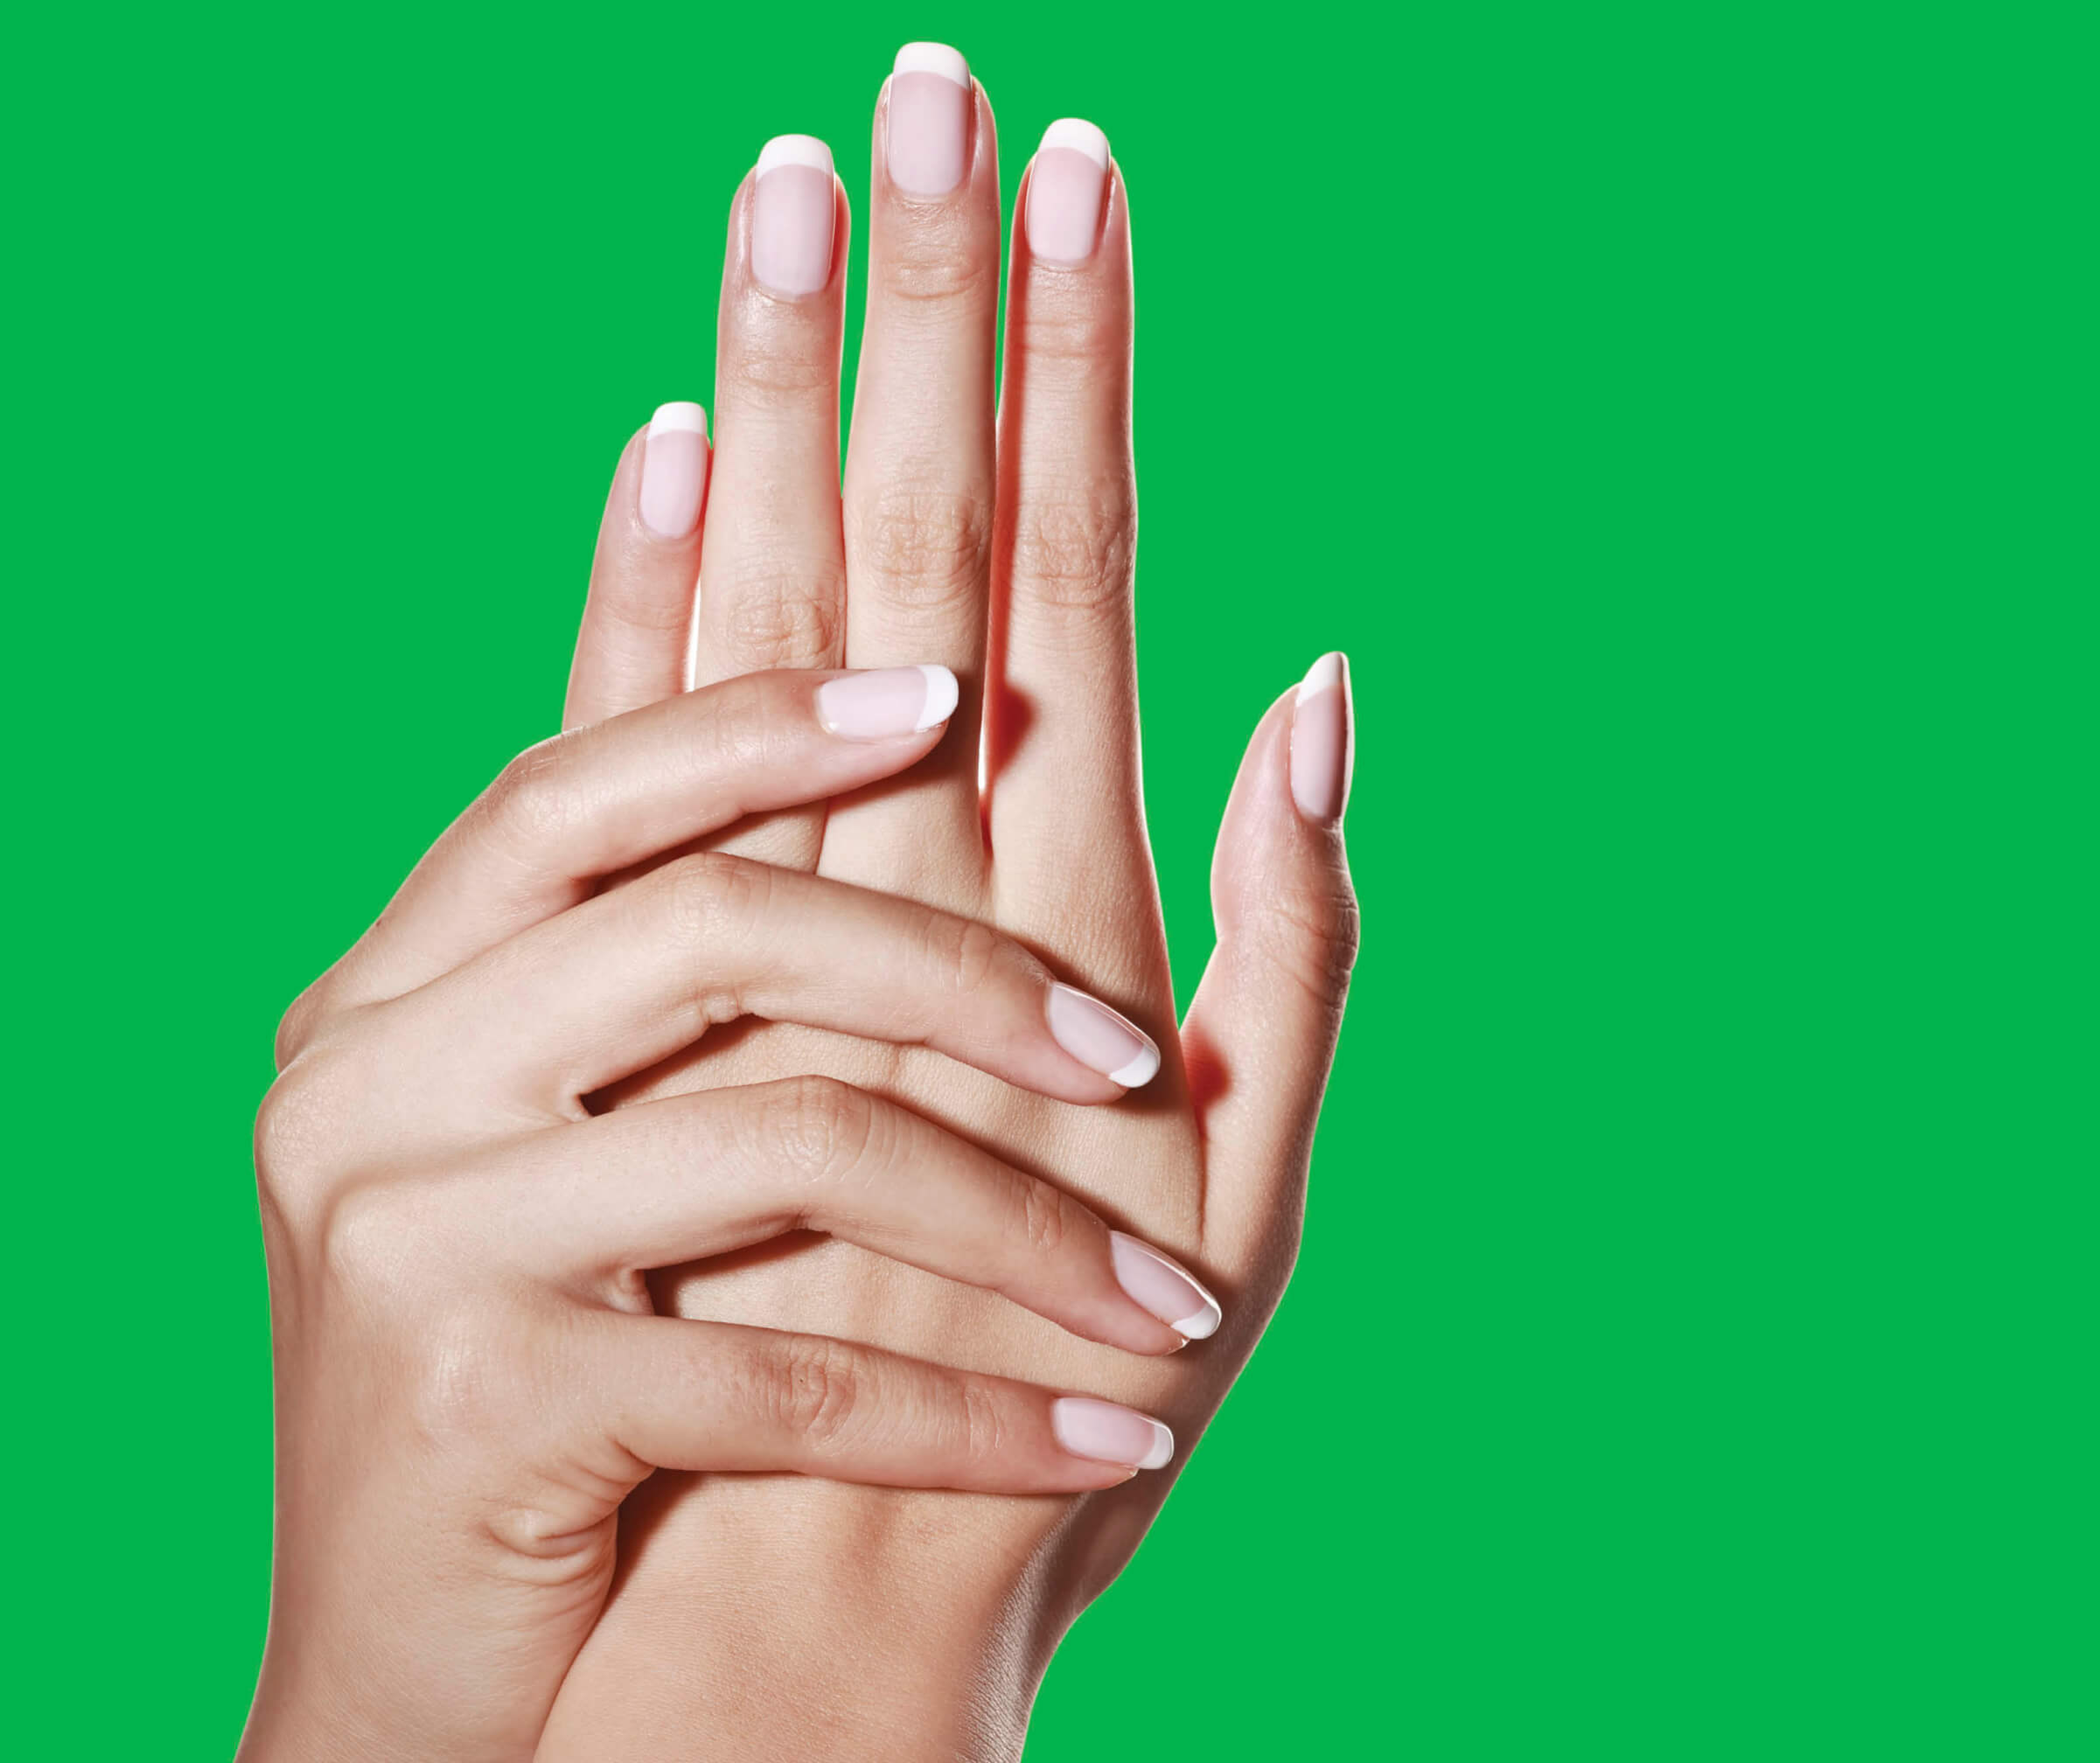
595 801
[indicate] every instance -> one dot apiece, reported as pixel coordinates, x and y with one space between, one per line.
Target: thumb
1261 1034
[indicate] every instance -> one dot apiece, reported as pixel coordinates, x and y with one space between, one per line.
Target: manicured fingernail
1106 1432
929 119
1065 192
674 470
886 702
1099 1038
1322 751
1164 1287
791 215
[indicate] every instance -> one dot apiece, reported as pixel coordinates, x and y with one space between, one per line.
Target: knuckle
1310 937
817 1387
784 353
300 1127
711 905
374 1237
931 547
1078 554
281 1132
937 257
1046 1219
817 1126
781 621
1345 938
966 953
630 592
981 1423
711 897
296 1026
1074 322
532 803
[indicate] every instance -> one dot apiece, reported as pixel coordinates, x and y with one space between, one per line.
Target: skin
470 1375
1002 544
457 1314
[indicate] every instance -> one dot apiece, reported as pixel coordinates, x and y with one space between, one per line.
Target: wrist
807 1620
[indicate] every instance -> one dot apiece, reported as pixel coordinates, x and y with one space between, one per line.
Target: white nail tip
679 418
942 695
1079 137
1200 1327
1161 1453
1141 1069
934 57
795 150
1325 675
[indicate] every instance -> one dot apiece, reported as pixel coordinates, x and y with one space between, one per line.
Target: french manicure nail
1108 1432
1164 1287
791 215
1323 749
930 96
1065 192
886 702
1101 1038
674 470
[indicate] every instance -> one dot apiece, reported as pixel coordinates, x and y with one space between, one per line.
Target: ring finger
1065 797
630 977
772 571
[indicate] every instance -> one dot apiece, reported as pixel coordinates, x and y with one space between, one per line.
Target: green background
1684 415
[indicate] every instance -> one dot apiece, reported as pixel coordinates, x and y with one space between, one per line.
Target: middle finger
920 470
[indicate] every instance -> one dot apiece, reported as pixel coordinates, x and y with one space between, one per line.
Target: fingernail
1099 1038
929 119
1321 750
791 215
1108 1432
1164 1287
1065 191
886 702
674 470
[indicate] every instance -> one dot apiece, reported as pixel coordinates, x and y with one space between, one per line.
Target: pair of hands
666 1122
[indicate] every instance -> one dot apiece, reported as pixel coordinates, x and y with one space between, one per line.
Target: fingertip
1322 746
1101 1038
1067 193
795 221
1076 135
793 150
886 703
1099 1431
1163 1288
933 58
679 417
675 459
944 692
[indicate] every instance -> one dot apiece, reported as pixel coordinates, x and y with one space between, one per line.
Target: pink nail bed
675 470
1108 1432
886 702
791 215
1066 189
929 126
1322 751
1164 1287
1101 1039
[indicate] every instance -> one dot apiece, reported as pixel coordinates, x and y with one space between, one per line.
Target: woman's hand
468 1377
778 1617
